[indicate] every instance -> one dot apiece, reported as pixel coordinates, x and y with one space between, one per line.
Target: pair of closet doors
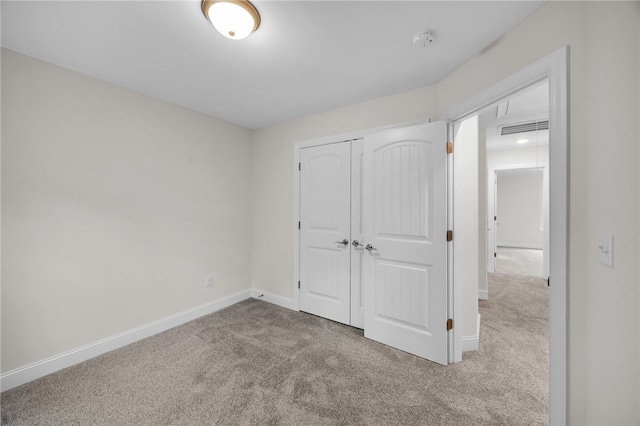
372 243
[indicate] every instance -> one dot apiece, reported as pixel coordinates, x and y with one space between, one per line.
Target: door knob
370 247
344 242
356 244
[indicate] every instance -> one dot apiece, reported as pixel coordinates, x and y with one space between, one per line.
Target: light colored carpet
518 261
255 364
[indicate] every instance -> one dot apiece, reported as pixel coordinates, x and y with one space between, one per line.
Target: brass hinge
449 324
449 148
449 235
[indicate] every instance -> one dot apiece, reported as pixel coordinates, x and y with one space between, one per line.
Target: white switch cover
208 281
605 249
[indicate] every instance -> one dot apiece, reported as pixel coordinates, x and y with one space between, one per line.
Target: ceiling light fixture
234 19
522 141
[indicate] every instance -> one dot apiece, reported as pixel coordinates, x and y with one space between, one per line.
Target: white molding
554 67
472 343
33 371
483 295
520 245
274 299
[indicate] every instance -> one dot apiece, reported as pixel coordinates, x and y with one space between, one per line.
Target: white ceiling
306 57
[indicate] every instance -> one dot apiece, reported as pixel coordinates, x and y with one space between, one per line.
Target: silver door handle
344 242
370 247
356 244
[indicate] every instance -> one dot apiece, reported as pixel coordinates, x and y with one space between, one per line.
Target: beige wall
114 207
519 205
139 191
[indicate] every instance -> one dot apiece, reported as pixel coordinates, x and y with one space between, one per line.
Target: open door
405 225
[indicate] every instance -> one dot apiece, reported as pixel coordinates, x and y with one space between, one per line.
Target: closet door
325 231
405 224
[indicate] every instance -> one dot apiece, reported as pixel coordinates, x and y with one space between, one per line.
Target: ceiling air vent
524 127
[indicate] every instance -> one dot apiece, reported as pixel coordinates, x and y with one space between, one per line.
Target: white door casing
357 234
405 221
491 222
325 222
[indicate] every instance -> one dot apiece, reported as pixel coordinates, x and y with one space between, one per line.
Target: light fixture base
423 39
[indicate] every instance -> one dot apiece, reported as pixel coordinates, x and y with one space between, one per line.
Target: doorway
553 67
518 218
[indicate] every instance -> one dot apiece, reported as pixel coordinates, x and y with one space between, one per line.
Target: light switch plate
605 249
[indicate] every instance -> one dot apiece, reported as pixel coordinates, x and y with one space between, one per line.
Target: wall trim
520 245
483 295
472 343
33 371
274 299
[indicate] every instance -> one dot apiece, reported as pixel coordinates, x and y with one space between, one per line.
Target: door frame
554 67
297 147
492 197
453 339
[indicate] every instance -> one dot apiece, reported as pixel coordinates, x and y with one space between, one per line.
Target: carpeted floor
518 261
255 364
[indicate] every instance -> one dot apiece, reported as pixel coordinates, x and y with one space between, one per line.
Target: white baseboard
483 295
27 373
522 246
472 343
272 298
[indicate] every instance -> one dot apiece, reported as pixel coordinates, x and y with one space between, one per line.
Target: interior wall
114 208
482 214
519 202
465 221
613 208
603 192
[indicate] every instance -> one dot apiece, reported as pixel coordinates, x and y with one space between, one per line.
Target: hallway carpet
518 261
256 364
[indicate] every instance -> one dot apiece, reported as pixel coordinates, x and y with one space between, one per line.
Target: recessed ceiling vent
524 127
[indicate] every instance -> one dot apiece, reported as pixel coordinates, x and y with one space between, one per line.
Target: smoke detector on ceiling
423 39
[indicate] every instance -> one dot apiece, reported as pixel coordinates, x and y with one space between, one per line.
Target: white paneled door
405 225
373 224
325 231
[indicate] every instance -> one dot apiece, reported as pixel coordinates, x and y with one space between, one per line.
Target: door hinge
495 218
449 235
449 148
298 225
298 284
495 254
449 324
299 166
548 281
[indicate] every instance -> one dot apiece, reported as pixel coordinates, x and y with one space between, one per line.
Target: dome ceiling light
234 19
